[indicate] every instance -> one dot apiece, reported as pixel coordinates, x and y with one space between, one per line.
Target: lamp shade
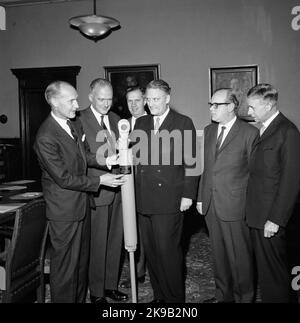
94 26
94 29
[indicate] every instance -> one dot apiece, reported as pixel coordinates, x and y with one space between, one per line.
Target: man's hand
185 204
270 229
112 160
112 180
199 207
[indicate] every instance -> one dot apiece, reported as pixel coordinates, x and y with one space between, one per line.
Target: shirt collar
61 121
268 121
97 114
163 116
229 124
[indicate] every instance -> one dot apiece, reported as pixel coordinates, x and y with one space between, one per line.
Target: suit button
158 170
159 184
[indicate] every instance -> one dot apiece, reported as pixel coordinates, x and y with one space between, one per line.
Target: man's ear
168 98
91 97
268 106
53 102
231 107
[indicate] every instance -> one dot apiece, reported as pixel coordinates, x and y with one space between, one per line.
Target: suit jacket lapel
167 123
231 134
67 139
212 139
272 127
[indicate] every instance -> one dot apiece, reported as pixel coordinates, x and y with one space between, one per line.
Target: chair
21 274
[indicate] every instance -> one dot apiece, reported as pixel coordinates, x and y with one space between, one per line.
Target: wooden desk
7 194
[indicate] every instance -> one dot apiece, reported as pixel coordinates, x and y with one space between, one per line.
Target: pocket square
83 138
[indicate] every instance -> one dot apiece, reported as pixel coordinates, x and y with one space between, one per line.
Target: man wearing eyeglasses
273 188
228 146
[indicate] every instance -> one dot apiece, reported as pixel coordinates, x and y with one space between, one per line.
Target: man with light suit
101 129
228 147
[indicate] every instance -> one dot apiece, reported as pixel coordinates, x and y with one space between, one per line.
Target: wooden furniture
21 274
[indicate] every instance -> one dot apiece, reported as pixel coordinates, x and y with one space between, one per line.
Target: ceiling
16 3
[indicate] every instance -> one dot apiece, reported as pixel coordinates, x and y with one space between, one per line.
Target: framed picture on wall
123 77
240 79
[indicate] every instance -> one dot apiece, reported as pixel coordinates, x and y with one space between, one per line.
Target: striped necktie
102 124
220 138
156 125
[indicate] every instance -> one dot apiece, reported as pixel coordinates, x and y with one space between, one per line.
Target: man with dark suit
136 105
101 129
63 155
272 192
164 189
228 146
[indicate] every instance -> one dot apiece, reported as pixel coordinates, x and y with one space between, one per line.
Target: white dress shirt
133 120
98 117
63 124
228 126
266 123
161 117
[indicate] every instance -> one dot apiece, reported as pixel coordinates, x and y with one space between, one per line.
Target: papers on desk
10 207
26 196
20 182
12 188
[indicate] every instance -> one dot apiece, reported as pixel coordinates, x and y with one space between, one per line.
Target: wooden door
34 109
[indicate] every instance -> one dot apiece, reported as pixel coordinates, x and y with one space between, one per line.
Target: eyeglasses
216 105
155 100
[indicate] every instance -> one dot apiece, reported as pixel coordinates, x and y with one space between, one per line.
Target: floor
199 275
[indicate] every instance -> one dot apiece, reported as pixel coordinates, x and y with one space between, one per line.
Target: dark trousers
232 257
69 257
140 255
106 247
161 234
272 266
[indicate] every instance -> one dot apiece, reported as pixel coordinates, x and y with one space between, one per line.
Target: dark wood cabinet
10 159
34 108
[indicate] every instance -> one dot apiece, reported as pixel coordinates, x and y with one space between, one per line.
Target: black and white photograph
149 155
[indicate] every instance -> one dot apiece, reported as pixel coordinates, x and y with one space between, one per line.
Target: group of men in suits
247 192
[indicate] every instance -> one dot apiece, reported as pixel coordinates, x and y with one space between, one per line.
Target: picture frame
239 78
124 76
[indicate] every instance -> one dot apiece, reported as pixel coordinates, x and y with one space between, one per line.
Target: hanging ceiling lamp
93 26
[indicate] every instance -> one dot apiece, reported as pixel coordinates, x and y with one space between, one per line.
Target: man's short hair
264 91
54 89
159 84
231 97
135 88
99 82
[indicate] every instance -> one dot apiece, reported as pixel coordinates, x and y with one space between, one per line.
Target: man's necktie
102 124
156 125
220 137
69 123
261 130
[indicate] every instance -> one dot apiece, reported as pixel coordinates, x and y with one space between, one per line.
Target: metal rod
132 277
95 7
